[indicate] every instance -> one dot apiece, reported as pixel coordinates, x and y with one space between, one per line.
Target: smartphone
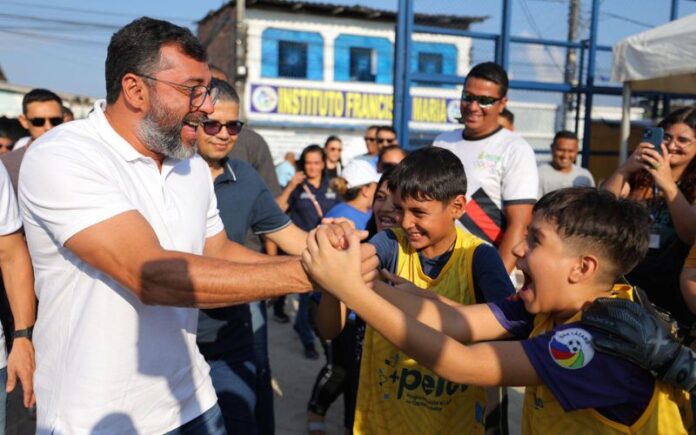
655 136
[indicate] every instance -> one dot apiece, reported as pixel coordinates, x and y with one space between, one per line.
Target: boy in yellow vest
580 241
396 394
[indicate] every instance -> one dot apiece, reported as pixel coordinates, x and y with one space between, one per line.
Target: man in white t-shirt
500 165
562 171
124 232
19 287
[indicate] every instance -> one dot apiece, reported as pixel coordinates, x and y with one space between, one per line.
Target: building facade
315 70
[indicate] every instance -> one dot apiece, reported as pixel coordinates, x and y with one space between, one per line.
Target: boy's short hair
429 174
616 229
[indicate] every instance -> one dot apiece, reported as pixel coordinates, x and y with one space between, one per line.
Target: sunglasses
483 101
383 140
212 128
40 122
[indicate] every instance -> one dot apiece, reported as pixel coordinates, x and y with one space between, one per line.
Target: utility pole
240 73
571 58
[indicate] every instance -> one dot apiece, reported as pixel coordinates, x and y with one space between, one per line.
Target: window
292 59
430 63
363 64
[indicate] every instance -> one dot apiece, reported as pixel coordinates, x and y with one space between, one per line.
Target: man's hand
20 364
339 229
625 329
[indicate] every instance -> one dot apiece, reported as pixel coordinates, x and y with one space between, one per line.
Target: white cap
359 173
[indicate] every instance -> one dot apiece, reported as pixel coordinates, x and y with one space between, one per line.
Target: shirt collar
228 173
110 136
118 143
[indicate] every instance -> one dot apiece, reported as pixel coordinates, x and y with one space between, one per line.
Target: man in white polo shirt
19 286
124 232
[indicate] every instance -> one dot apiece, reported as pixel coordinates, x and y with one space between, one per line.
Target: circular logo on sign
264 99
453 111
571 348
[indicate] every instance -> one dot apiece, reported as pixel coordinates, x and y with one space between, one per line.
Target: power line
530 19
89 11
96 25
628 20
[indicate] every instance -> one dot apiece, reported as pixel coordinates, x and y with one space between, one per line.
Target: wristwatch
24 333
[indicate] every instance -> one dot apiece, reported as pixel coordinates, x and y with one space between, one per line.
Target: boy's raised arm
485 364
464 323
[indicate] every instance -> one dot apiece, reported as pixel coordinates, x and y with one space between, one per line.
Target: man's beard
160 131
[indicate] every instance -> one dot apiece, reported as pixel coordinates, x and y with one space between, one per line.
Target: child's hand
403 284
337 271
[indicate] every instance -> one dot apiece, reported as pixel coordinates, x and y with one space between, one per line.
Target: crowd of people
139 248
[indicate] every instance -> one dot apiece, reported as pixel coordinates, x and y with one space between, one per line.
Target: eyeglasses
197 94
483 101
212 128
680 141
40 122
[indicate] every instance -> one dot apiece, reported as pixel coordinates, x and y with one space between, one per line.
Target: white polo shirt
501 170
9 223
106 363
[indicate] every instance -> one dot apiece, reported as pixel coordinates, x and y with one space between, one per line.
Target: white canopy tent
662 59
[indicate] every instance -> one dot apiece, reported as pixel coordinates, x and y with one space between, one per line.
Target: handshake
336 260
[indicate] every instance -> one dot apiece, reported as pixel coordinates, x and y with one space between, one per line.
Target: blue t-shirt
245 202
616 388
343 209
301 208
491 281
285 171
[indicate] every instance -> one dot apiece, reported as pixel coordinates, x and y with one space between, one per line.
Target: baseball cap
359 173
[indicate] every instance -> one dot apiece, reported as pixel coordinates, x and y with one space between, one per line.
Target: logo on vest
571 348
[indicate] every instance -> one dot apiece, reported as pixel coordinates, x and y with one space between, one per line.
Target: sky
61 45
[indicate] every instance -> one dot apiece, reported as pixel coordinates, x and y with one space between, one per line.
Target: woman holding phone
665 182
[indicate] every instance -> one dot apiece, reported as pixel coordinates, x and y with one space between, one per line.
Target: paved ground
294 377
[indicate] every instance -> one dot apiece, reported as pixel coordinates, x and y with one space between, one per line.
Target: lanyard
313 198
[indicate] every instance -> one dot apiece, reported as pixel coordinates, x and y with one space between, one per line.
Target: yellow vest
396 395
668 411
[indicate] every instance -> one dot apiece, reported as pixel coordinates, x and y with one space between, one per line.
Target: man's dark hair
596 220
385 128
564 134
135 48
491 72
227 92
39 95
429 174
508 115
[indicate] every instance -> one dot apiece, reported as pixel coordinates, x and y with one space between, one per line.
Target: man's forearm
180 279
238 253
18 277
